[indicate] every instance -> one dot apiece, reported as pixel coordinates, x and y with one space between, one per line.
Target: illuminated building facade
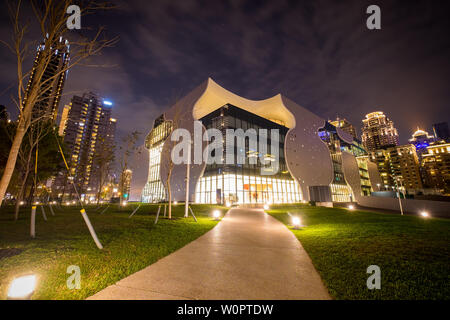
436 167
154 189
346 126
317 161
399 167
88 129
378 131
48 101
340 189
421 140
244 183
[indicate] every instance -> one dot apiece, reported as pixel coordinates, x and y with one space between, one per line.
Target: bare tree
50 17
27 153
175 123
103 160
128 148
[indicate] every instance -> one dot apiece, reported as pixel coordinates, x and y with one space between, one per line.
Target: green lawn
413 253
64 240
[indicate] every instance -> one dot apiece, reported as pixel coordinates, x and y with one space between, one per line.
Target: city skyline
334 67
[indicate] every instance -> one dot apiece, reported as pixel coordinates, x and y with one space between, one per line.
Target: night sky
318 53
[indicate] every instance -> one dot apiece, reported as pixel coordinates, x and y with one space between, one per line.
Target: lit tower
88 129
378 131
52 81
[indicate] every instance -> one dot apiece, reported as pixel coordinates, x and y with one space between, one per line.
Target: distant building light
108 103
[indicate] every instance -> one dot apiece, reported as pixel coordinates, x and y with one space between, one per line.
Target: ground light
296 222
124 203
216 215
424 214
228 204
175 202
351 207
22 288
67 203
266 207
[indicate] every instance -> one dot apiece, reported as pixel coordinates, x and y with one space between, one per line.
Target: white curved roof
215 97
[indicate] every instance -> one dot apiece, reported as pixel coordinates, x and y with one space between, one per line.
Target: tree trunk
12 159
20 195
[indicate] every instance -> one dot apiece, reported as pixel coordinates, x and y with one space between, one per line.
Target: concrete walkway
248 255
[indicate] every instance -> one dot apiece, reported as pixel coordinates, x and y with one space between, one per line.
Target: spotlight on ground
266 207
175 202
351 207
296 222
424 214
22 288
216 215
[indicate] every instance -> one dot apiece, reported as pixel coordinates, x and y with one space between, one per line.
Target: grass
413 253
130 244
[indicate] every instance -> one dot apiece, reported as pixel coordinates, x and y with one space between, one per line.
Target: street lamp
22 288
216 215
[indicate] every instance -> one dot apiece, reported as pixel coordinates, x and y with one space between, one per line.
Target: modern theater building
317 161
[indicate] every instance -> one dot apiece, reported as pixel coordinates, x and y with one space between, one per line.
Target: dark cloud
318 53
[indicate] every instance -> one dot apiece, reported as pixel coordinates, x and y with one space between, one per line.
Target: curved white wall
307 156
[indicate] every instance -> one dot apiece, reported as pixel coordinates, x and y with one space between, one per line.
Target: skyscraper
88 129
51 82
436 167
345 126
399 167
378 131
441 131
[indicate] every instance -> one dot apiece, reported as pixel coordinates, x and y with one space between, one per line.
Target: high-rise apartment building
441 131
378 131
436 167
345 125
88 129
51 82
399 167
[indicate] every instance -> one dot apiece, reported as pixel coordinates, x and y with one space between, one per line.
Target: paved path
248 255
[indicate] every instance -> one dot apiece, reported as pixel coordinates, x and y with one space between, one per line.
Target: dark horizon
318 53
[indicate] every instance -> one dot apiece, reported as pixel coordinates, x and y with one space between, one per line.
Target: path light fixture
22 288
67 203
266 207
21 203
216 215
124 203
424 214
228 204
296 222
175 202
351 207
